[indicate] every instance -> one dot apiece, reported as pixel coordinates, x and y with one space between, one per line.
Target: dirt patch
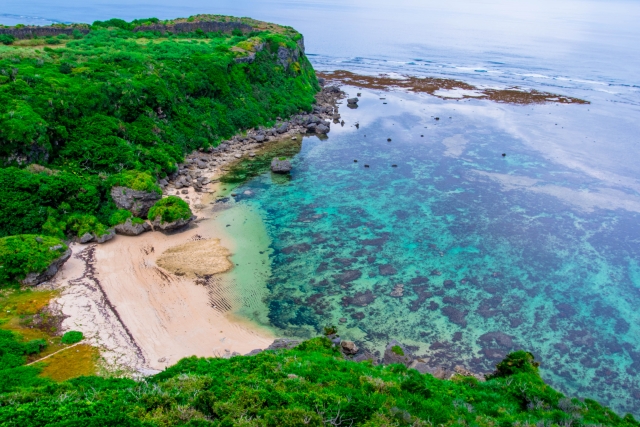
197 258
448 88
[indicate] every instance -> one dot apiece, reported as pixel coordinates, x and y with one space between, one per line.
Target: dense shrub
170 209
72 337
111 109
311 385
27 253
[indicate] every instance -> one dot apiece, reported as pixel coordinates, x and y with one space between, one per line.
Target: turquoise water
457 251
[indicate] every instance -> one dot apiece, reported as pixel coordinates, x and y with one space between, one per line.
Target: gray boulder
352 101
168 226
259 137
87 237
280 166
33 279
311 128
396 353
201 164
110 234
138 202
254 352
128 228
322 129
283 128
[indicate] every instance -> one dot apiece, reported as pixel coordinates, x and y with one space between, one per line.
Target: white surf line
66 348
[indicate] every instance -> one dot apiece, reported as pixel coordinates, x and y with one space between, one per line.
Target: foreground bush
27 253
311 385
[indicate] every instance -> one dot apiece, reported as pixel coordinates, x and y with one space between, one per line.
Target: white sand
158 317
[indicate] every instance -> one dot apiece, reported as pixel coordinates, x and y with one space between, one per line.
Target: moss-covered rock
31 259
170 213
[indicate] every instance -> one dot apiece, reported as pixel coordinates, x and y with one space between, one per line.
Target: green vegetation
123 107
72 337
310 385
170 209
27 253
396 349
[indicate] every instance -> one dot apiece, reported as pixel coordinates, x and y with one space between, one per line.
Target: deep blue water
458 251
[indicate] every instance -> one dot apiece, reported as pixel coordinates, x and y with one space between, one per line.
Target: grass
80 360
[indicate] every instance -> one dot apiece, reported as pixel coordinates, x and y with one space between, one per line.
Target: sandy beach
144 316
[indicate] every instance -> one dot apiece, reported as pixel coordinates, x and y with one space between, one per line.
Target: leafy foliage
309 385
27 253
118 107
170 209
72 337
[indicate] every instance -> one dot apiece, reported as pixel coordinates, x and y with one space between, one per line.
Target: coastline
144 317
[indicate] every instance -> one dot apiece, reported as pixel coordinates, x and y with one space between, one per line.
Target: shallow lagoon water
457 251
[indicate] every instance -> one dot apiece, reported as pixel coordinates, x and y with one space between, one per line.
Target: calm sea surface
457 251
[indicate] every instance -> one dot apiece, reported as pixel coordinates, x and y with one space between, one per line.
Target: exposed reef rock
33 279
280 166
137 202
128 228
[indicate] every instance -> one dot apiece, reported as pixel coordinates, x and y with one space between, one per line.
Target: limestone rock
138 202
348 347
128 228
396 353
168 226
280 166
86 238
110 234
33 279
283 128
322 129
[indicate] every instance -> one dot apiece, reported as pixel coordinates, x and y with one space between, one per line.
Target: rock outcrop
137 202
33 279
283 344
170 226
396 353
128 228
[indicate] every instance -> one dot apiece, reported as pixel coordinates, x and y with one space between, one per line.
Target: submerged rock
128 228
280 166
33 279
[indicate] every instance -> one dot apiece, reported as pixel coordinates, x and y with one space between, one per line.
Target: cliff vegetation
86 108
310 385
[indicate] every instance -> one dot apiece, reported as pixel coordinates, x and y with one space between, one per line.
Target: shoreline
144 317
